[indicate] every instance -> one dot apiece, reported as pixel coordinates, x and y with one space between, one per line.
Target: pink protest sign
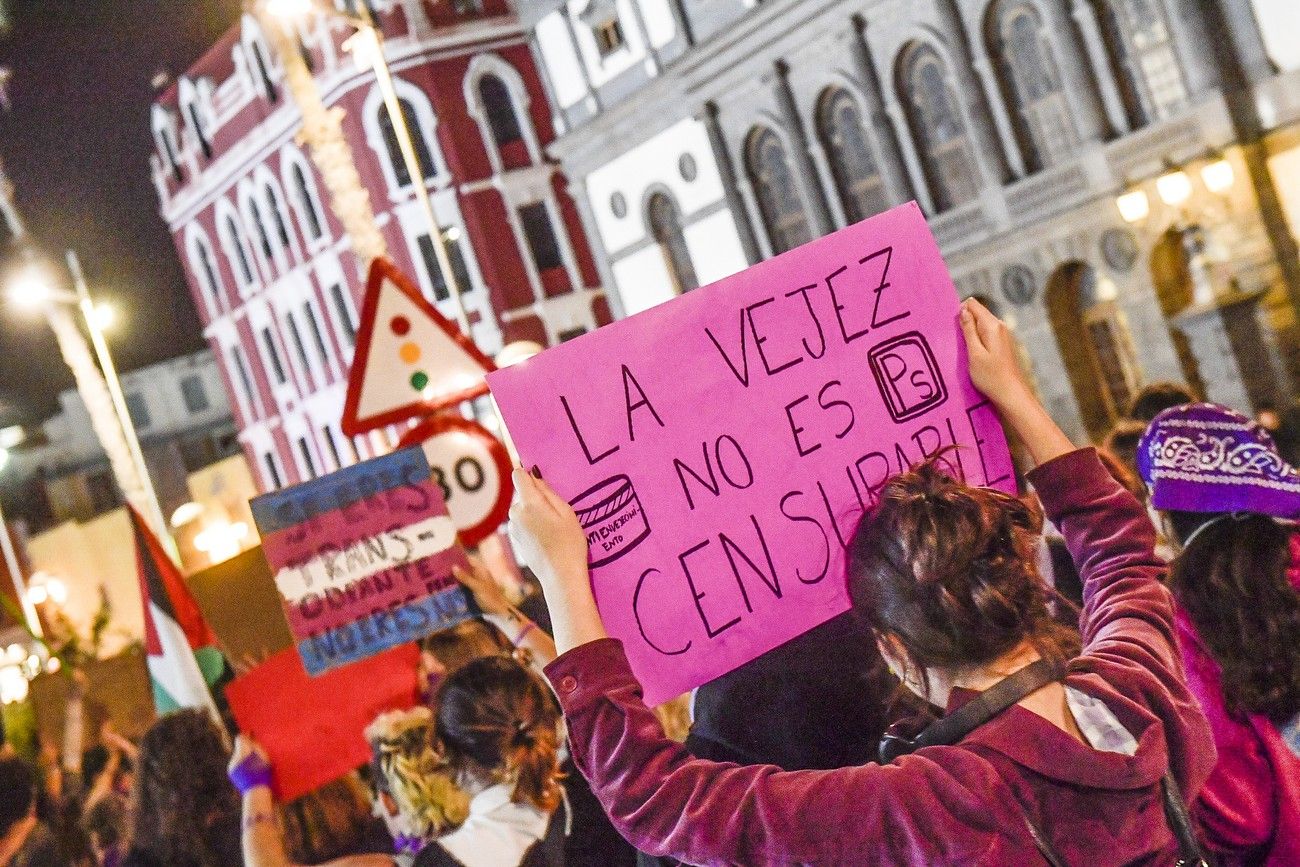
719 448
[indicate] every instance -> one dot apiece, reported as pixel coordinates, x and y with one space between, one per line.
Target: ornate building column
739 196
821 221
893 165
988 148
1085 16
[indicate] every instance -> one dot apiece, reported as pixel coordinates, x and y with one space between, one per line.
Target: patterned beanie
1203 457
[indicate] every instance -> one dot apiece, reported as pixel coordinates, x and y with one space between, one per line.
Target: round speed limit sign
471 467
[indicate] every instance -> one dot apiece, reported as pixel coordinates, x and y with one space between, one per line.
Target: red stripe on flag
162 584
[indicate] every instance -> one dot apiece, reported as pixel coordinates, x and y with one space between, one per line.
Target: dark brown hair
1156 397
1233 583
328 823
951 572
1119 454
466 641
497 721
186 810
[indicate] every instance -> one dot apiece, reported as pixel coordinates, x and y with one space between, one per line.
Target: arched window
775 188
194 115
262 69
844 138
238 252
938 128
665 225
1031 83
277 216
1142 52
1094 342
500 110
306 199
165 133
259 226
422 153
205 271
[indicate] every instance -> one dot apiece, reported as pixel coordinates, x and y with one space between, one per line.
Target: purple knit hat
1203 457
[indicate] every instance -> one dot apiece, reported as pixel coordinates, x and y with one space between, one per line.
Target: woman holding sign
1044 754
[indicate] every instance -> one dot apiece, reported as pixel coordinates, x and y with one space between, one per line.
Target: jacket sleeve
1128 614
666 802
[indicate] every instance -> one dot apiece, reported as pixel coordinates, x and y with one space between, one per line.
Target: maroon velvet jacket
962 804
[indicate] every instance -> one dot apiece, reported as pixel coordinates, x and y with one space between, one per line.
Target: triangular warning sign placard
410 360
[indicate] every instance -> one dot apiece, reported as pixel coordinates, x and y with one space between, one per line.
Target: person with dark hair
1157 397
1224 492
185 811
24 840
1121 445
1042 755
498 726
105 823
1283 427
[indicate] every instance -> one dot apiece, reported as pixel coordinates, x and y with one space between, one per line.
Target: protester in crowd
334 821
1120 446
185 811
1073 765
497 724
415 793
24 840
1283 427
105 824
1157 397
1224 492
593 842
822 700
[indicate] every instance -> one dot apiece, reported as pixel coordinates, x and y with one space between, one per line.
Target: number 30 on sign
473 470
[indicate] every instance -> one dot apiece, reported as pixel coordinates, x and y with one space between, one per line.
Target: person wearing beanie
1229 501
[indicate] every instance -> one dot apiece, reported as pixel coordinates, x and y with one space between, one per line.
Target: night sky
76 146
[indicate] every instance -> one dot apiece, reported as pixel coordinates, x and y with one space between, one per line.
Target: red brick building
269 266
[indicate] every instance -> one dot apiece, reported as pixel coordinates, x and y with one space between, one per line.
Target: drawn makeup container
611 515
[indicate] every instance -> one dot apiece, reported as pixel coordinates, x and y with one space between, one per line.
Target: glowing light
104 316
289 9
53 665
221 541
12 436
58 591
4 457
1134 206
452 234
1174 187
364 48
1218 176
185 514
15 653
37 594
30 287
520 350
13 685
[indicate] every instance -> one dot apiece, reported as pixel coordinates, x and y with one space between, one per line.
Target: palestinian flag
182 650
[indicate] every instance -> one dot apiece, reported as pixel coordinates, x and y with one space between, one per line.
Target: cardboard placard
363 558
719 448
312 727
239 601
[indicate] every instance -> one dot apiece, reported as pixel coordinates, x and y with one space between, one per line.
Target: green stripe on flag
211 663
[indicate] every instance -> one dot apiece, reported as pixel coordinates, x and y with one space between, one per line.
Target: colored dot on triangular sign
410 360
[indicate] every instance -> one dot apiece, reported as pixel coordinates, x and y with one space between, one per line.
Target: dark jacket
961 804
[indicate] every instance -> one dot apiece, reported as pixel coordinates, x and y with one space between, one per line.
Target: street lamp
101 392
367 49
15 568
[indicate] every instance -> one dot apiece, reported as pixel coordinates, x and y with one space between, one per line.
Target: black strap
988 704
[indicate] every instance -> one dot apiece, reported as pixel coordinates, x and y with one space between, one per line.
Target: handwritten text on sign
719 449
363 558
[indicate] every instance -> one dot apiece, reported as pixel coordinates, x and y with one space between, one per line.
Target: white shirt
497 833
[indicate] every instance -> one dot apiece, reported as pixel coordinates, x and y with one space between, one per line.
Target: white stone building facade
700 137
